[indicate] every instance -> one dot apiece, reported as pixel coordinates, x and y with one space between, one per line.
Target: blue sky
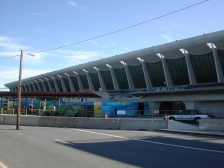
34 26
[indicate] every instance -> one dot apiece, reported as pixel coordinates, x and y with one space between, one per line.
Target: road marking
159 143
60 141
2 165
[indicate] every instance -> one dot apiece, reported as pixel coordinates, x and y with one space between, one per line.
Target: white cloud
166 37
72 3
39 31
11 74
10 44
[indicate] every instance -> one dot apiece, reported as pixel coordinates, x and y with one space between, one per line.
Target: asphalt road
35 147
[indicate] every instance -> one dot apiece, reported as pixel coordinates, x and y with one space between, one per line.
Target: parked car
188 115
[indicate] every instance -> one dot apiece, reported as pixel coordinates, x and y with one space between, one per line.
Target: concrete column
189 68
29 87
38 86
71 84
146 75
49 85
154 108
90 82
130 81
44 87
191 105
55 85
63 85
166 72
79 82
114 79
34 89
218 67
102 85
25 87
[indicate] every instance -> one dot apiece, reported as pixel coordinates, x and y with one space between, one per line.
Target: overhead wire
106 34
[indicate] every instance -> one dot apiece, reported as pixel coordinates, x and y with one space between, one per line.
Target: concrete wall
58 122
98 123
142 124
2 119
24 120
175 125
211 124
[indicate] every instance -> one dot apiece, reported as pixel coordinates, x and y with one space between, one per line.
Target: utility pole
19 91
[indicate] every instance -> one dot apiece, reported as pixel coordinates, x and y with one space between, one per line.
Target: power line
96 37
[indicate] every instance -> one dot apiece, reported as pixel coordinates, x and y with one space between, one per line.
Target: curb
192 133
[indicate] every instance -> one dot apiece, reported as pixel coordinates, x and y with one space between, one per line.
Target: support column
166 71
49 85
71 84
189 68
102 85
63 85
114 79
29 87
130 81
44 87
90 82
79 82
38 86
146 75
218 67
56 85
192 105
33 86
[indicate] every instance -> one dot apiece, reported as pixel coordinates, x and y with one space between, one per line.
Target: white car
188 115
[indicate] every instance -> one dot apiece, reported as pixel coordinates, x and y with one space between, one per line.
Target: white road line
159 143
58 140
2 165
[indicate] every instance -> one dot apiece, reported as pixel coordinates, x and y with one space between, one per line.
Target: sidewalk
219 134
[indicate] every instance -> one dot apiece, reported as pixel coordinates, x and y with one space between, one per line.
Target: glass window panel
75 82
204 70
46 86
84 81
35 86
95 80
221 58
156 73
41 86
178 71
31 87
137 76
121 78
106 75
59 85
67 85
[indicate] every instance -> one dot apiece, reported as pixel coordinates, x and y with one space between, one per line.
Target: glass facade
41 86
46 86
107 78
35 86
95 80
52 85
121 78
84 81
58 81
178 71
75 82
204 68
156 74
66 82
23 88
137 76
221 59
27 86
31 86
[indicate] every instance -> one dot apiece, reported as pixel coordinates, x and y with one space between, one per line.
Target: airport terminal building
184 74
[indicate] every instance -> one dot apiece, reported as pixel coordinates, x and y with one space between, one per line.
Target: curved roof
195 46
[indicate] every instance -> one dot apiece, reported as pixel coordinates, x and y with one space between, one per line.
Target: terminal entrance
171 107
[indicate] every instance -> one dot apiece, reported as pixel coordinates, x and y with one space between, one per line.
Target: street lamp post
19 91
